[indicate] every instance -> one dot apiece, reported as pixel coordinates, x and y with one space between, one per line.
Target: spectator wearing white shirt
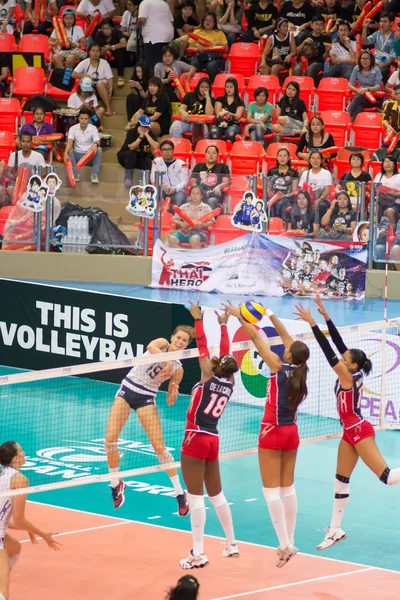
85 98
343 53
88 9
25 156
6 16
156 20
100 73
82 138
76 39
320 180
175 173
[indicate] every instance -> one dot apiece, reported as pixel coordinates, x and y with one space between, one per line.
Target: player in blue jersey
358 439
138 392
279 438
199 453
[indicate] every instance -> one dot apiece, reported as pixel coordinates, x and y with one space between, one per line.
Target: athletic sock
177 485
277 514
394 476
114 480
197 522
2 597
289 498
225 516
342 489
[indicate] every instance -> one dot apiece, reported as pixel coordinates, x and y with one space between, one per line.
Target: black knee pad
385 475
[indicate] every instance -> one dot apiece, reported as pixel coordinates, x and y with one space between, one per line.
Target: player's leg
151 423
13 548
212 481
370 454
116 420
288 491
346 462
4 572
193 471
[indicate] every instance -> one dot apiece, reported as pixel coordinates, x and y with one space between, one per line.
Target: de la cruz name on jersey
207 404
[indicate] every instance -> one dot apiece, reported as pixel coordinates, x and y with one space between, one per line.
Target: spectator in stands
36 127
25 156
343 53
4 74
155 19
333 10
387 199
301 216
390 116
128 27
82 138
198 102
213 177
356 10
186 589
185 23
84 97
261 21
299 14
77 40
88 9
174 172
291 112
279 50
212 62
391 83
169 69
350 180
282 179
157 106
195 209
6 15
229 109
100 73
314 49
138 149
113 47
138 84
314 139
320 181
382 41
45 26
229 15
368 77
259 116
339 220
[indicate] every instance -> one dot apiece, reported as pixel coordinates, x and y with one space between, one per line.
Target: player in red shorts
279 438
199 453
358 439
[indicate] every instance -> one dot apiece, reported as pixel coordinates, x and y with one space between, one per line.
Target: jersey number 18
216 405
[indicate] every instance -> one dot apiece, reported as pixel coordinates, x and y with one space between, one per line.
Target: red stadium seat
35 42
166 225
219 84
202 145
246 158
337 123
28 81
7 145
59 94
7 42
307 88
271 82
273 149
194 80
342 164
276 226
244 58
183 148
332 93
368 130
223 230
10 110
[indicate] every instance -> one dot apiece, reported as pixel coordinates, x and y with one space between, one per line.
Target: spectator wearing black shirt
138 83
350 180
212 177
315 139
112 40
299 14
229 109
198 102
291 112
261 20
138 149
185 22
339 219
282 178
332 9
301 217
314 49
157 106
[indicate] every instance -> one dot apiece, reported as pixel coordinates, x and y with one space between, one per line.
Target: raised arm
224 346
334 333
280 329
156 346
201 342
173 387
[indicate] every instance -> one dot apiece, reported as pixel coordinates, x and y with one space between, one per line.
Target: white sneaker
230 550
333 536
285 555
194 562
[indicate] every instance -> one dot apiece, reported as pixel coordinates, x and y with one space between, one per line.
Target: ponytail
298 386
360 358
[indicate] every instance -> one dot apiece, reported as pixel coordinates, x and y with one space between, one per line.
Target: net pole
389 237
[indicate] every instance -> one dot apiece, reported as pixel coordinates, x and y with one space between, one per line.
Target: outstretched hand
194 309
321 308
234 311
222 318
304 314
52 544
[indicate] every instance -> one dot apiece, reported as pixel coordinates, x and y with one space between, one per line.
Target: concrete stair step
115 122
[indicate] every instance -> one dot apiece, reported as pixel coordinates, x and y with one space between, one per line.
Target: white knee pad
271 494
218 500
195 501
111 446
12 560
288 491
165 457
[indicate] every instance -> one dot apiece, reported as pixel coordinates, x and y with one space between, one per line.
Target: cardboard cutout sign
249 214
142 201
36 194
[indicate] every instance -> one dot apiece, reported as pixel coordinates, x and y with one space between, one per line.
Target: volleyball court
59 418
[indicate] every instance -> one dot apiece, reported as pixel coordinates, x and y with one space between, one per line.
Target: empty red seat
307 88
337 123
10 110
219 83
368 130
246 158
244 58
223 230
7 42
271 82
7 144
194 80
332 93
276 226
35 42
199 153
28 81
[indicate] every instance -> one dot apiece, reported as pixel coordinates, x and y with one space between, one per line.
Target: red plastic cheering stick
392 146
358 45
210 215
332 193
275 198
377 8
186 84
85 159
183 216
57 29
332 150
37 140
330 23
361 18
70 173
36 13
95 22
63 32
370 97
388 137
17 186
199 39
177 84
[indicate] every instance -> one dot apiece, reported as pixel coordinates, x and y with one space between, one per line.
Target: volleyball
252 312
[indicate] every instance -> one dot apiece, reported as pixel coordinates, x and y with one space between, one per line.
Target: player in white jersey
12 457
138 391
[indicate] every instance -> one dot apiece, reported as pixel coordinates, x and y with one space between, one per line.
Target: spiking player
199 452
279 438
12 458
358 439
138 392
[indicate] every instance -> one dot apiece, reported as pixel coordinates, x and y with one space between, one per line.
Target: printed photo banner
265 265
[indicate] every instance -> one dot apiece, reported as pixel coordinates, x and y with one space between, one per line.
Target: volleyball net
59 416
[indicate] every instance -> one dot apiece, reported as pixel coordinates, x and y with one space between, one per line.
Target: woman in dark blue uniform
199 453
279 438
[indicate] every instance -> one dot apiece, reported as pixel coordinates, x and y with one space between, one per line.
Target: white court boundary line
80 530
215 537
